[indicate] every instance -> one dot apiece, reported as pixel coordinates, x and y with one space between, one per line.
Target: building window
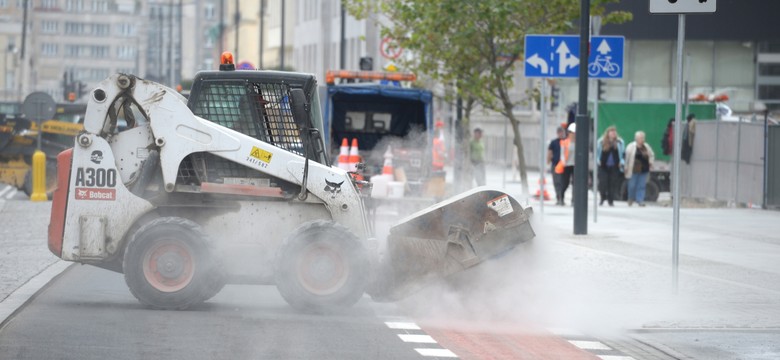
99 6
49 27
208 40
74 5
126 29
208 64
74 28
125 52
101 29
48 49
99 51
45 4
208 11
3 3
72 51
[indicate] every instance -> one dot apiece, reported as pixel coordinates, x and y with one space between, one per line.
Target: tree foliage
475 45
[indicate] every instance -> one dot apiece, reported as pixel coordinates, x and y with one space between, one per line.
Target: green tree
476 45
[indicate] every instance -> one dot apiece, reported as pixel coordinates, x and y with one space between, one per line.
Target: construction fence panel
727 163
773 167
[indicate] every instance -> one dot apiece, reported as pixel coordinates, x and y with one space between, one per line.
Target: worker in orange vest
439 150
565 166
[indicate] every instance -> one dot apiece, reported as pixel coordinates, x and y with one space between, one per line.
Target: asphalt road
88 313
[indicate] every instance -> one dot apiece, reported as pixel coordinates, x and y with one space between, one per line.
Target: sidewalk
26 264
729 263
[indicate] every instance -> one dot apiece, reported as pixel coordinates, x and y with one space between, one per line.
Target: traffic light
555 95
600 89
81 89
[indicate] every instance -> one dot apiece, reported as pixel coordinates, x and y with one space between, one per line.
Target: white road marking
437 353
589 345
615 357
426 339
11 194
402 325
7 189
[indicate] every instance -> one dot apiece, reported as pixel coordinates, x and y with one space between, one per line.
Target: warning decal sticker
501 205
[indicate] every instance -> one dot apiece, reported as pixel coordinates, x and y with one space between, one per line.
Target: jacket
631 155
620 148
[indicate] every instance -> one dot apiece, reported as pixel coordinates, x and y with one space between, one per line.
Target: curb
25 293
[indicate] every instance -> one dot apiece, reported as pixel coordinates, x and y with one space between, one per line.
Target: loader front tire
168 264
322 267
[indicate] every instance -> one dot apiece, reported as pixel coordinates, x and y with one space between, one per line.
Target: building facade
72 41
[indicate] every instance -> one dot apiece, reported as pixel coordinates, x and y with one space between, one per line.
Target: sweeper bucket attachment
449 237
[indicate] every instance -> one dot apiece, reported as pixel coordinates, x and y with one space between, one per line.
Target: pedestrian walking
610 163
565 166
553 157
639 159
689 132
667 141
477 156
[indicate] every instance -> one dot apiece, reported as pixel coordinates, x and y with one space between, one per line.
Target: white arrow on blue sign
606 57
552 56
557 56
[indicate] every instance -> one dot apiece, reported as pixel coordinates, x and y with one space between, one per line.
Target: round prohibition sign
390 48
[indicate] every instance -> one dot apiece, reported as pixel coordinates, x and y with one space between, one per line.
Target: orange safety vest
565 152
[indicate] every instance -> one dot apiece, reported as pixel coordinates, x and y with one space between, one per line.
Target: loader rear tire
322 267
168 264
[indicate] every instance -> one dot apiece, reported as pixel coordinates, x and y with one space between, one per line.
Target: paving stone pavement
23 248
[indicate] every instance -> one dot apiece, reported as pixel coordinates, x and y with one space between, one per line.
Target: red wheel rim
168 265
321 269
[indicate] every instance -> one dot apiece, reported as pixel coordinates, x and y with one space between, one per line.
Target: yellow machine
19 140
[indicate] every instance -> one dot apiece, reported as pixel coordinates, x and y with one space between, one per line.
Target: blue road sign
552 56
606 57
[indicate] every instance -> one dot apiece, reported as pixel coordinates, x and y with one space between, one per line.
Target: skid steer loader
234 185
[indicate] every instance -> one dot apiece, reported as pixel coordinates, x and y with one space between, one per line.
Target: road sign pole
580 197
541 145
677 151
595 154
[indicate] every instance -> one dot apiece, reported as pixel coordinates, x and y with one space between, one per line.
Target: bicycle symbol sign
557 56
606 57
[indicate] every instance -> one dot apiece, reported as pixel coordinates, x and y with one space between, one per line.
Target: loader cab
258 104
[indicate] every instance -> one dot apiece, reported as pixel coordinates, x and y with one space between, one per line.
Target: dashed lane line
437 353
589 345
414 335
413 338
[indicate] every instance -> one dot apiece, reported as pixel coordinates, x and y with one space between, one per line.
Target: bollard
39 177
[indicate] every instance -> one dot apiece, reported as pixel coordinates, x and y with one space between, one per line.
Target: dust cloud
541 285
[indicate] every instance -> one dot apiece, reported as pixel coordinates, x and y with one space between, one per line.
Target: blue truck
379 115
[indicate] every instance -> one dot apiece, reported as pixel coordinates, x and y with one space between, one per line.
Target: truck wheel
651 191
321 266
168 264
51 179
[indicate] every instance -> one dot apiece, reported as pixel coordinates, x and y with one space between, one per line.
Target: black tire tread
211 276
301 300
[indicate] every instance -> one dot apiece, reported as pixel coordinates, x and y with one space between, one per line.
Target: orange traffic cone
354 155
546 193
344 155
387 169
